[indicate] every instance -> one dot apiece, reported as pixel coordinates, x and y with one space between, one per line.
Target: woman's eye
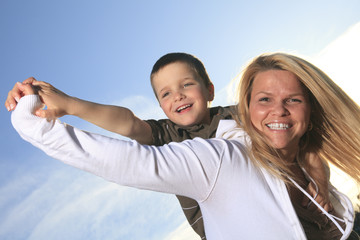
264 99
294 100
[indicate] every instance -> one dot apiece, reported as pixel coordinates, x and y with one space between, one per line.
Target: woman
330 127
246 189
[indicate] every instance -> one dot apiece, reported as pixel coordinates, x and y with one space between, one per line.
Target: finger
42 88
40 113
48 114
41 83
10 103
312 207
13 97
29 80
309 189
328 207
324 202
26 89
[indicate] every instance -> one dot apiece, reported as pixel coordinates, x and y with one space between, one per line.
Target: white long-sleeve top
237 199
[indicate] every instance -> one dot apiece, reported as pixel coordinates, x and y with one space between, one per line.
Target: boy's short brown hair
194 63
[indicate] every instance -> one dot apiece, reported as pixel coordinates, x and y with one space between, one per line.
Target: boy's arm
112 118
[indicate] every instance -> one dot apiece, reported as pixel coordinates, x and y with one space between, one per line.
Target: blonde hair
335 118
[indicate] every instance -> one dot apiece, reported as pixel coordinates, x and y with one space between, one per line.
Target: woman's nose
280 109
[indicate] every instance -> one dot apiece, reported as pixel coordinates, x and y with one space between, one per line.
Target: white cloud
142 106
340 60
183 232
226 95
66 203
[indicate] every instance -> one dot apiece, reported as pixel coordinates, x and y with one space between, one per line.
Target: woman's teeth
278 126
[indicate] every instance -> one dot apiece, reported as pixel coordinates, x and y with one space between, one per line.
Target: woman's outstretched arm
187 168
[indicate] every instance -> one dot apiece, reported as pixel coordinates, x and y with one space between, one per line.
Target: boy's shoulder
220 112
165 131
226 112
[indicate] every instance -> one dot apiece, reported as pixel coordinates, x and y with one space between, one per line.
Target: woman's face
280 109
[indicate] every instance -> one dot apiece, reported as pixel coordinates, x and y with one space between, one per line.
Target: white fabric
237 199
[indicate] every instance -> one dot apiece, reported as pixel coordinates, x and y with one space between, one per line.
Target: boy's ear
211 92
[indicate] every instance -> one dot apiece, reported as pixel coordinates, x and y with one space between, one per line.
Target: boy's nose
179 96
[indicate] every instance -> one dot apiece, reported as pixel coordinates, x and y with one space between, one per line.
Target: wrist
72 106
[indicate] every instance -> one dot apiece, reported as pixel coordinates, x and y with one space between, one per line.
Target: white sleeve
229 129
189 168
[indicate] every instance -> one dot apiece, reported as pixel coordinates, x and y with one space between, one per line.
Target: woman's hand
322 198
19 90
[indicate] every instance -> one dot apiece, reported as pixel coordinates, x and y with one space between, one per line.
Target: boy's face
183 98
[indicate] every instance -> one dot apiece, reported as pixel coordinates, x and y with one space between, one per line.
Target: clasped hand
54 101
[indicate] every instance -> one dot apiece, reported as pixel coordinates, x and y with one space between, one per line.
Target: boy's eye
165 94
188 84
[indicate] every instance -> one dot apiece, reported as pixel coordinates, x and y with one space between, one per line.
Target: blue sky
103 51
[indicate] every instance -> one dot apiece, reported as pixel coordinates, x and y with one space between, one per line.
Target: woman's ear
211 92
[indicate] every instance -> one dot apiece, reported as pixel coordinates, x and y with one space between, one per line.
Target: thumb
46 113
42 113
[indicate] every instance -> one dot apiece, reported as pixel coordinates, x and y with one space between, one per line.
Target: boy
184 91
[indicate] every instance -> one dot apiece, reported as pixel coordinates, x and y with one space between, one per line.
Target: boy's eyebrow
161 90
193 78
188 77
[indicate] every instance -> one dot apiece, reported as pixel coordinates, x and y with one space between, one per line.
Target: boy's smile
184 108
182 96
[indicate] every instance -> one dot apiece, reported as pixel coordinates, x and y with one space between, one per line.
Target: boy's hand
322 198
18 92
57 103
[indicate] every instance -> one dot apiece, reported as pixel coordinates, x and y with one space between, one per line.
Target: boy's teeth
182 108
278 126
